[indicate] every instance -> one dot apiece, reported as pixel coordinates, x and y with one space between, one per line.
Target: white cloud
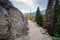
30 4
27 2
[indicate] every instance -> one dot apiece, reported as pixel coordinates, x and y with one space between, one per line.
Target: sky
25 5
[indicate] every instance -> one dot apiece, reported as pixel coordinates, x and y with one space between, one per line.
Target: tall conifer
39 18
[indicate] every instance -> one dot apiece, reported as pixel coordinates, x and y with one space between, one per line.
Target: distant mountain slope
34 13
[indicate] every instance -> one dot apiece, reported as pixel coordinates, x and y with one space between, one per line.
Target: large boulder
13 25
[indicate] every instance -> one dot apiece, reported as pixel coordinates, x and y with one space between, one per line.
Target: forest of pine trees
57 18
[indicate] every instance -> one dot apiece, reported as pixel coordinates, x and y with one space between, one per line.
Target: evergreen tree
39 18
57 18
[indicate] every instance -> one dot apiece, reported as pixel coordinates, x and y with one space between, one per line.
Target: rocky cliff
13 25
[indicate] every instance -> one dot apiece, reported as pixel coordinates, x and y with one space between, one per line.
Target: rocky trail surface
36 32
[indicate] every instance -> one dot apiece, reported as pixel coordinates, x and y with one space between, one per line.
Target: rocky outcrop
13 25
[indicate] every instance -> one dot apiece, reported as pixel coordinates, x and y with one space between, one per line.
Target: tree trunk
48 20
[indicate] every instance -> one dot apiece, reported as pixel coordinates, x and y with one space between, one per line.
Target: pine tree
57 18
39 18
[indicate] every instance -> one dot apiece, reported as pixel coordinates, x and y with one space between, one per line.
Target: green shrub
29 17
54 38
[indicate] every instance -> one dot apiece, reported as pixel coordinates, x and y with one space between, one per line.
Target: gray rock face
13 25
